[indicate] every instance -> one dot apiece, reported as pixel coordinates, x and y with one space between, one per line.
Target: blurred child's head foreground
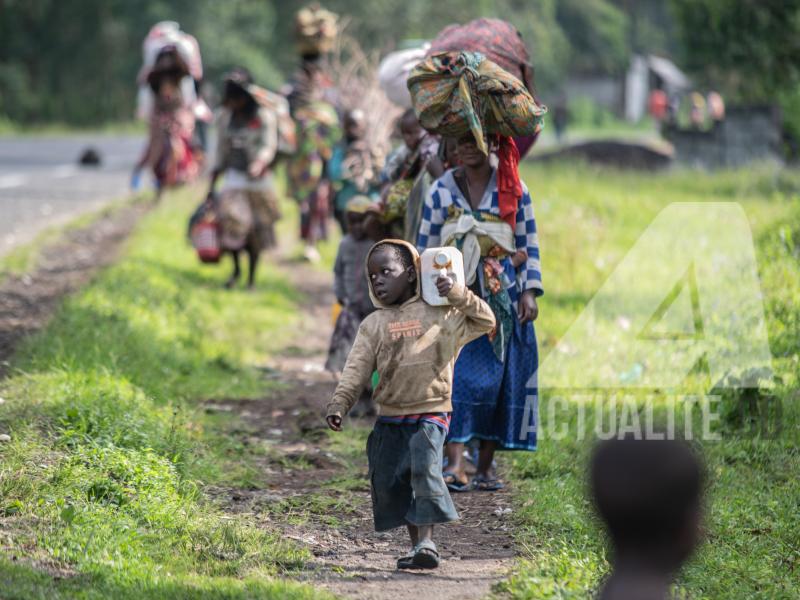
648 492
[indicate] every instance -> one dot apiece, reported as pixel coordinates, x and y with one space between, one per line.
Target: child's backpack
204 234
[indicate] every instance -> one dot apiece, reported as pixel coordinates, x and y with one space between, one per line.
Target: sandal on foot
426 556
453 483
487 484
406 561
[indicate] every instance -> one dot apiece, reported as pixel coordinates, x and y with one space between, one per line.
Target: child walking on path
413 346
351 289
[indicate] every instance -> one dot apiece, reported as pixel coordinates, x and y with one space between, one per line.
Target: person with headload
497 40
482 208
170 151
500 42
171 73
318 130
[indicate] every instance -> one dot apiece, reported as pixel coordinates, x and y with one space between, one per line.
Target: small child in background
374 225
648 492
354 166
416 159
351 288
413 346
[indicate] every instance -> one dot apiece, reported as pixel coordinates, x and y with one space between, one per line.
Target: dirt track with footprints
318 494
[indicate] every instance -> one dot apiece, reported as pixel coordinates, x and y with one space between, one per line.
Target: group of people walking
256 130
442 377
450 380
439 377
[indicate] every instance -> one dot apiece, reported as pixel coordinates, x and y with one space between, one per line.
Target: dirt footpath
28 301
318 494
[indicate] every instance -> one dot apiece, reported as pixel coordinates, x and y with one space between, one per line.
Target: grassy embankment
588 220
101 482
12 129
108 448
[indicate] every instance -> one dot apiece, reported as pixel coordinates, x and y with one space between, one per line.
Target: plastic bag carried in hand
459 92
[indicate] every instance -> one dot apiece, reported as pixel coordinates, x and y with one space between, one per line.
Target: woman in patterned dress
487 213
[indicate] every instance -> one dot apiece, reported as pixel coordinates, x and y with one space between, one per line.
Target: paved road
41 183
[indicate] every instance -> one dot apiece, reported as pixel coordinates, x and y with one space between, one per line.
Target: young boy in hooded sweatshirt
413 346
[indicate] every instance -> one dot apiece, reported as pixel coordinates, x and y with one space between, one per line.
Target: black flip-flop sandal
453 484
483 484
423 556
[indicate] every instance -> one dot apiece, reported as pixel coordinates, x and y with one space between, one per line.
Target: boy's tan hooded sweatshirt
413 346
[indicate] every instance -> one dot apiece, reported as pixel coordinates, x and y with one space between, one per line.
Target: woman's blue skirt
494 400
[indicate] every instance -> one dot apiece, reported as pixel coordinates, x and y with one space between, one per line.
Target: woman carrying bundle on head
170 151
487 212
318 129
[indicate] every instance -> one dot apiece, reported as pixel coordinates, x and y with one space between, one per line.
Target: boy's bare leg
425 533
420 533
413 533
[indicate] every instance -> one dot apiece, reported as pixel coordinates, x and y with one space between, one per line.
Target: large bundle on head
501 43
356 78
394 70
168 51
168 34
315 30
498 40
459 92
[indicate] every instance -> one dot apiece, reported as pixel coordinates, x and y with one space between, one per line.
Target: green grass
110 449
101 483
333 502
588 219
23 259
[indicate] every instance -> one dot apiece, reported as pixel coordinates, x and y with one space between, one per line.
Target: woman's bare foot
456 481
485 479
455 474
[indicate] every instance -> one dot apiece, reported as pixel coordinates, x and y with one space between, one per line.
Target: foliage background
76 62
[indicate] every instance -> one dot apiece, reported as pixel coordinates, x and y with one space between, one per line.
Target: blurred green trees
76 62
748 49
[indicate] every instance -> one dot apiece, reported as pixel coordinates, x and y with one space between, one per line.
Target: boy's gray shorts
405 473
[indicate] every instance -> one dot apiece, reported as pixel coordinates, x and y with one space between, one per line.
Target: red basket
205 239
